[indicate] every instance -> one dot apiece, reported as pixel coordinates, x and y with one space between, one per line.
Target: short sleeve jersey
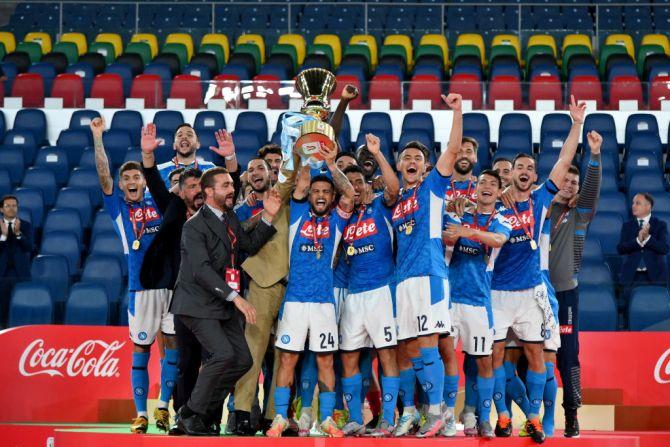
420 249
310 277
518 266
165 168
145 218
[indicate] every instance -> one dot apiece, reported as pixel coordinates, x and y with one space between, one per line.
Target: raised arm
302 183
445 164
348 94
388 174
286 178
588 197
341 181
225 149
101 161
577 112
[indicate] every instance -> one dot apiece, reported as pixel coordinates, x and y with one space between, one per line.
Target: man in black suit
644 241
16 246
207 299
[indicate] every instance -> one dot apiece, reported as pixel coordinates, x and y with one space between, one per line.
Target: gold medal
351 250
136 244
318 253
533 244
408 229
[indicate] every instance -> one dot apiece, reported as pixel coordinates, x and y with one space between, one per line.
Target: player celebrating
463 183
308 306
475 240
137 220
367 314
504 168
519 296
258 176
422 296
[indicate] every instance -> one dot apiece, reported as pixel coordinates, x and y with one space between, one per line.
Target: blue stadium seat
76 199
55 160
513 143
125 72
648 305
199 70
87 305
109 244
386 145
31 200
662 203
117 142
24 140
101 223
603 123
30 304
613 202
133 155
48 73
10 70
64 220
73 141
642 162
516 123
53 272
165 150
130 121
597 308
419 121
5 182
87 179
596 274
545 163
168 120
209 120
11 161
344 138
253 122
3 125
640 123
552 141
606 227
239 70
163 72
106 271
246 145
35 121
44 180
85 71
376 122
64 244
593 252
645 182
81 119
646 142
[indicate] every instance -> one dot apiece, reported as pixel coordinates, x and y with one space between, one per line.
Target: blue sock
231 402
351 386
510 373
518 393
168 376
485 393
550 390
535 382
499 391
308 378
390 387
406 391
434 375
326 404
282 398
365 366
139 379
450 390
470 370
339 395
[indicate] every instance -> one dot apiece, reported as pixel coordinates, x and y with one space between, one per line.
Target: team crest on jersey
364 229
139 215
408 206
322 230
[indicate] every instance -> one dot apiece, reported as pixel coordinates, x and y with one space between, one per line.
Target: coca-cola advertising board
63 373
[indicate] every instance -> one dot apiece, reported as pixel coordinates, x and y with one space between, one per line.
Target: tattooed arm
341 181
101 161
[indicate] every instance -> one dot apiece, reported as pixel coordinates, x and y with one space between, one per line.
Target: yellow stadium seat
622 39
43 39
370 42
150 39
543 39
473 39
112 38
184 39
332 40
8 40
576 39
78 39
257 40
508 39
404 41
218 39
440 41
298 42
657 39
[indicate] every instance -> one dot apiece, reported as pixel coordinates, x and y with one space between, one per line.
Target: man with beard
137 221
463 183
258 177
271 153
504 168
308 306
207 296
519 295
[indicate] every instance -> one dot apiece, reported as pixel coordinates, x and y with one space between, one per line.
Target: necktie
642 266
10 231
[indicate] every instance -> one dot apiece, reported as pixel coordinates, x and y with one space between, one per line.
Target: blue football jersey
165 168
245 212
341 273
518 266
310 277
420 250
145 218
370 233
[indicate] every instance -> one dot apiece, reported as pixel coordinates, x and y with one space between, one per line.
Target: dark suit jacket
201 289
653 253
20 251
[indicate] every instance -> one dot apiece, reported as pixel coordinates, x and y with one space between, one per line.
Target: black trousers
190 357
228 360
568 353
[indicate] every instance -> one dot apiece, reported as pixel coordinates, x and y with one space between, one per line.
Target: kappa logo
322 230
405 207
439 324
354 232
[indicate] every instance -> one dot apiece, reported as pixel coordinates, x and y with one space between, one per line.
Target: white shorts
148 312
471 325
519 310
298 321
340 295
422 307
367 320
554 341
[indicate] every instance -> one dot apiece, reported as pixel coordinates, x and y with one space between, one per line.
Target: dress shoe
243 424
194 425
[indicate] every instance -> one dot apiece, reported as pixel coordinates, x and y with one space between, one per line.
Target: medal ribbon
138 234
178 165
402 210
486 228
315 238
560 220
358 222
530 230
453 189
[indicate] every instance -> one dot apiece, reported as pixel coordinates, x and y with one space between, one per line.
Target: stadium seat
425 87
109 87
96 61
469 86
117 142
438 40
209 120
87 304
587 88
30 304
505 88
419 121
254 39
76 199
504 40
648 305
613 202
181 38
106 271
87 179
23 140
52 271
48 73
131 121
55 160
597 274
597 308
5 182
221 40
168 120
136 56
638 123
42 38
576 39
605 227
247 143
64 244
267 87
359 41
149 88
126 74
546 88
377 123
29 87
659 91
593 252
8 40
43 180
149 39
64 220
471 39
106 50
657 39
386 143
542 39
253 122
342 81
31 200
387 87
625 88
624 40
108 243
70 88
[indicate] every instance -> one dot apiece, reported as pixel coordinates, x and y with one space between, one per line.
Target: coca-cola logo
91 358
405 207
364 229
322 230
526 219
662 369
137 215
